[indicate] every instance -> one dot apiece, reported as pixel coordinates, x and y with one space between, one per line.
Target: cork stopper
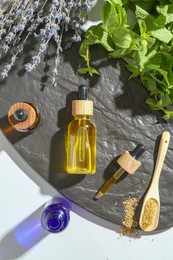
82 106
128 163
129 160
23 116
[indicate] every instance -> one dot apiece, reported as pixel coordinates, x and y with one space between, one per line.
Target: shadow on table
29 232
10 132
23 237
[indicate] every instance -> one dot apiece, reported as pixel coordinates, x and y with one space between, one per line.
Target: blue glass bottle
56 215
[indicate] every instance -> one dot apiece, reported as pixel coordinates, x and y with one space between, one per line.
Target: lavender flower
28 67
13 59
36 59
23 20
35 4
19 48
4 74
42 32
70 4
76 38
21 27
42 47
54 17
8 23
5 48
5 71
30 12
55 72
56 2
8 67
10 37
15 29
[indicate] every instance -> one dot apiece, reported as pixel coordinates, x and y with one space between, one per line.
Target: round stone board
122 119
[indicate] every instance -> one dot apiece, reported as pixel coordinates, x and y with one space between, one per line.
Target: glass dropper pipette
136 153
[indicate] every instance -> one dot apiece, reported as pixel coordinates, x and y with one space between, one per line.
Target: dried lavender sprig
18 28
8 23
58 40
61 15
13 37
37 58
50 30
25 19
5 17
77 36
20 46
8 67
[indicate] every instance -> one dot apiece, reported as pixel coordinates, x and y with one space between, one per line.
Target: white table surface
23 194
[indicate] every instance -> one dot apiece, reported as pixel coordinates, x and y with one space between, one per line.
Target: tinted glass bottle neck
85 117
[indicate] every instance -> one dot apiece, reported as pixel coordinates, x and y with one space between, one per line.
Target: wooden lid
82 107
128 163
30 119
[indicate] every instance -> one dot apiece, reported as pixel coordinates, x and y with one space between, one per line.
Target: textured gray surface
122 120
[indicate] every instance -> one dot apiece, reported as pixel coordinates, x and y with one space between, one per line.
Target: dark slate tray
122 118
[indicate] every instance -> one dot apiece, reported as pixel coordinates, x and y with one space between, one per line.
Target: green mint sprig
143 39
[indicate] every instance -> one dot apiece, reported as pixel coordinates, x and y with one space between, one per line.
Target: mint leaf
97 35
89 70
150 83
121 37
166 101
146 5
135 71
154 61
145 45
142 27
84 50
152 103
141 13
168 114
167 11
160 21
163 35
118 53
113 15
164 73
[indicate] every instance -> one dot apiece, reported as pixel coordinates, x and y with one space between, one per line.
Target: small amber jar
23 116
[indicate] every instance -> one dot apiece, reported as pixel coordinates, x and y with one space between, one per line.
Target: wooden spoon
149 216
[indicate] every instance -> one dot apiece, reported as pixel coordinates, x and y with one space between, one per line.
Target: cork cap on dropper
129 161
82 106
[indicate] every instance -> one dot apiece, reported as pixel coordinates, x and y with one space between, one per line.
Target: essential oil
81 138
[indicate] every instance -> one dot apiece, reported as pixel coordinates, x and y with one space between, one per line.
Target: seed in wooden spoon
149 213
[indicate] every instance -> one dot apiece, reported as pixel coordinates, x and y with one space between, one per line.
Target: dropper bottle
56 215
129 162
81 138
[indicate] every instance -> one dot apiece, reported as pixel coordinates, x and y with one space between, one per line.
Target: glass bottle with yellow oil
81 137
